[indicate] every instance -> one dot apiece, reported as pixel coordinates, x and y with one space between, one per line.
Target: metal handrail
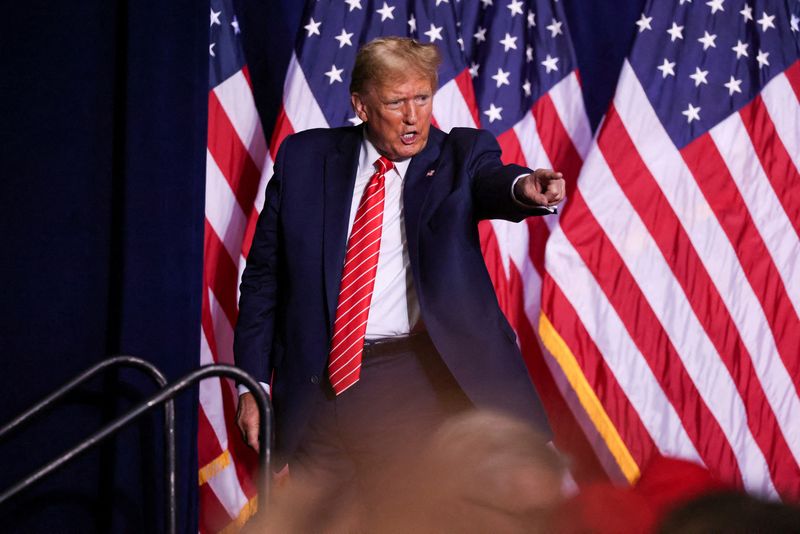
169 417
264 432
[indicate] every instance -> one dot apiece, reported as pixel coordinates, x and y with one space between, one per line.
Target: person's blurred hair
731 513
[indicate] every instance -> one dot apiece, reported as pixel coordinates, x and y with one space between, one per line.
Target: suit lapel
418 181
339 176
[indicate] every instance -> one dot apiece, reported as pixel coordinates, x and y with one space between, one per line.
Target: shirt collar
369 154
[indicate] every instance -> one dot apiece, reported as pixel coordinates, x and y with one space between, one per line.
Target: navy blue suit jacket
290 286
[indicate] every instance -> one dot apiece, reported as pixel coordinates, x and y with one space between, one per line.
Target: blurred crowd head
485 472
480 472
731 512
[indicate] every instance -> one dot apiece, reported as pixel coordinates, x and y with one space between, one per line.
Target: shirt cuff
518 202
242 389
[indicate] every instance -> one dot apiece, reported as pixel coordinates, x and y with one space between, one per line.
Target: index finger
550 175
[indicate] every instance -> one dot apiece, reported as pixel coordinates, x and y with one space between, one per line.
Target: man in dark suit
424 336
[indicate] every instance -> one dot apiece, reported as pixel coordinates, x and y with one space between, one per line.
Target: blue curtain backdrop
102 161
102 158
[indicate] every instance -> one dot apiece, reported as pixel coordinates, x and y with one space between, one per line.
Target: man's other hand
247 419
543 187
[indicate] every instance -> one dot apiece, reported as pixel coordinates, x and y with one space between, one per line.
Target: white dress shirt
394 309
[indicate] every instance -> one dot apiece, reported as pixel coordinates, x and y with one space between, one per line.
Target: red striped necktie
358 281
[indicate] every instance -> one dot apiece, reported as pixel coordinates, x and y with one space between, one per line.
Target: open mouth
409 138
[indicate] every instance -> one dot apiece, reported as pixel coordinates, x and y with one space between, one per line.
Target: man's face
398 115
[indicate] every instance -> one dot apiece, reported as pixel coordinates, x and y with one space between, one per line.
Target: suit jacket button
315 379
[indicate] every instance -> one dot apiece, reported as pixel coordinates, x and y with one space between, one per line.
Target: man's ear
358 106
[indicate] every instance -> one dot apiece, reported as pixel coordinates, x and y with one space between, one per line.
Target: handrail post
264 415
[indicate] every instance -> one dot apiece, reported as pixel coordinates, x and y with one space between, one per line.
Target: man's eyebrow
399 98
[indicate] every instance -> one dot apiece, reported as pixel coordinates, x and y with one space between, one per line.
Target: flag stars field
721 34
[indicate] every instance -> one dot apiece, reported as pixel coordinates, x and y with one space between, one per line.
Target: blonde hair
388 59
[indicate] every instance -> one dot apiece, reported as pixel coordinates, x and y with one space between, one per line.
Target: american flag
237 166
672 292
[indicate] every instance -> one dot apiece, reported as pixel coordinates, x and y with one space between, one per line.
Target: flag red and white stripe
671 289
237 167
